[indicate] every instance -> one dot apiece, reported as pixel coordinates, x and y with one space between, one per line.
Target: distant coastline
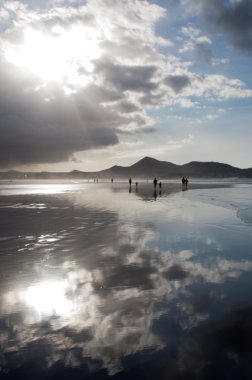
146 168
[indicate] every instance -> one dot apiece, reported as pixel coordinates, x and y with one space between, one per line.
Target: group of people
130 183
155 182
184 181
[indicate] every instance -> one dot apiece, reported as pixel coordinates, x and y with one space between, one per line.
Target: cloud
36 130
201 45
123 291
197 42
128 78
175 272
177 82
54 101
234 18
75 77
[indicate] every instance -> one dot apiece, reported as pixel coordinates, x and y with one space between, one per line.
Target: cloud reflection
125 276
49 298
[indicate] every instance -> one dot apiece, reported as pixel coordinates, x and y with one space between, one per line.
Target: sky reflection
49 298
99 276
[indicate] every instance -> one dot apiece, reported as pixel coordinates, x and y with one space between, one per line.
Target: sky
85 85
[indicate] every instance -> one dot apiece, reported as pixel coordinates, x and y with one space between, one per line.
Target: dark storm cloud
153 99
233 18
177 82
128 78
49 122
41 124
104 94
237 21
37 130
127 107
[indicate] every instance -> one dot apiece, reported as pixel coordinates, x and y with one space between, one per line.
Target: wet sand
102 281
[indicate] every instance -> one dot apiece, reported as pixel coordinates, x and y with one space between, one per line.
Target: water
101 282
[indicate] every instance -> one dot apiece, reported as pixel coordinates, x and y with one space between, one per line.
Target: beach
102 280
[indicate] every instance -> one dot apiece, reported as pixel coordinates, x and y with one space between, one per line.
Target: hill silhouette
150 167
147 167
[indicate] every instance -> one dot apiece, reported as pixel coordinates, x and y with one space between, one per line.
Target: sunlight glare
63 56
49 298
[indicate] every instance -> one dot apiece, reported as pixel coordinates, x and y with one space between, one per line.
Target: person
130 181
186 181
112 180
183 180
155 182
136 186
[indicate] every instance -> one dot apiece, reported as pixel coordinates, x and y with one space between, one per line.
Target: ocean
103 281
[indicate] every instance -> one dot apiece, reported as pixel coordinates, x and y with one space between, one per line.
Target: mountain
145 168
213 170
149 168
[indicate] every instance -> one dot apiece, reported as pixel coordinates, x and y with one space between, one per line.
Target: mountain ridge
146 167
151 167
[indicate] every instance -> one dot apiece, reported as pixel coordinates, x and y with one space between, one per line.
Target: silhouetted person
130 181
183 180
155 182
112 180
136 186
184 183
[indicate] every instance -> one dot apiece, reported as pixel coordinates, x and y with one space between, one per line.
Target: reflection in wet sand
99 282
49 299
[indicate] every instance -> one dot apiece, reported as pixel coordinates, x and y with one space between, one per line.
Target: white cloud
75 78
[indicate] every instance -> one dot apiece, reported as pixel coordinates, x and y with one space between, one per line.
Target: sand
99 280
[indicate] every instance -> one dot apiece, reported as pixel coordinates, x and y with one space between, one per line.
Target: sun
58 55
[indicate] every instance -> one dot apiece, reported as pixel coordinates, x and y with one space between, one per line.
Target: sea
100 280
